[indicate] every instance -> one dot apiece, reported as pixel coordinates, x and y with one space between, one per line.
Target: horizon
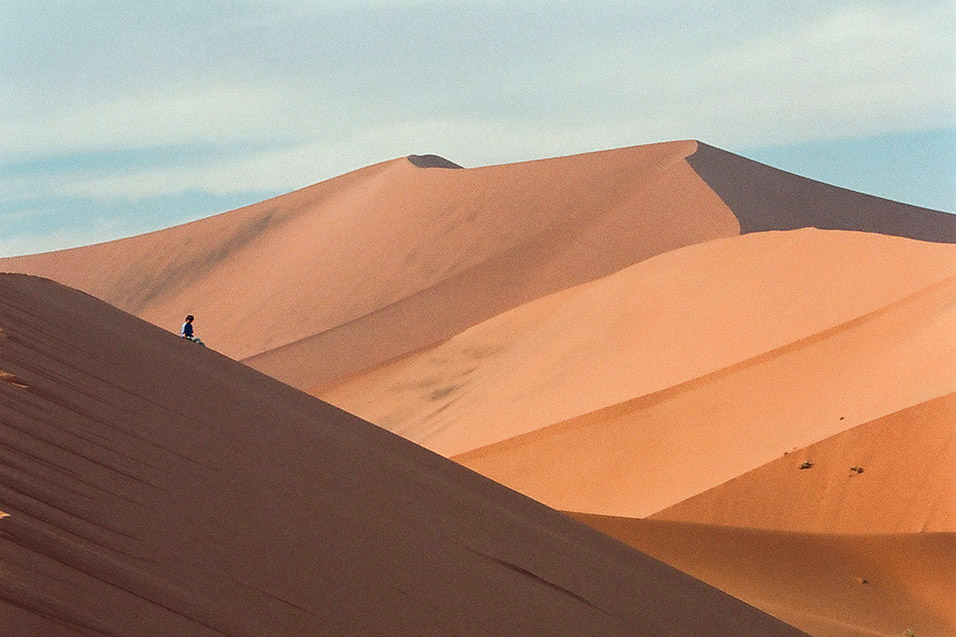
120 119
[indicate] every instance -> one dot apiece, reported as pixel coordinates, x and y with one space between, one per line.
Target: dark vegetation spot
856 469
842 417
806 465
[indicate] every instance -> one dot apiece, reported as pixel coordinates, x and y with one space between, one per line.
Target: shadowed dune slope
765 198
827 585
675 326
896 474
359 269
153 487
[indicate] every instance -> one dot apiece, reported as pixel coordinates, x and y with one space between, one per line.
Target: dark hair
189 317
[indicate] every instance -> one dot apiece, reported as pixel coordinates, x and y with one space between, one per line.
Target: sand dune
358 270
153 487
625 333
827 585
638 457
765 198
658 325
892 475
377 263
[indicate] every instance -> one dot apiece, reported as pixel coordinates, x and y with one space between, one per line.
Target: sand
654 339
394 257
827 585
892 475
680 320
154 487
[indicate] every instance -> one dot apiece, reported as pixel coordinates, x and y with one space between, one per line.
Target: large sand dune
394 257
667 330
151 487
355 271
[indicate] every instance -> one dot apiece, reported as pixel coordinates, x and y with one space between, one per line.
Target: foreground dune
827 585
153 487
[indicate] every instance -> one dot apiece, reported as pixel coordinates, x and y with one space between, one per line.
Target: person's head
189 318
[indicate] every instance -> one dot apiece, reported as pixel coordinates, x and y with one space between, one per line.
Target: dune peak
432 161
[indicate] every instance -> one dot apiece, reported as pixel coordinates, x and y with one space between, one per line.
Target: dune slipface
154 487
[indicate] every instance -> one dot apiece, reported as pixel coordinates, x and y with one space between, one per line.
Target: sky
121 117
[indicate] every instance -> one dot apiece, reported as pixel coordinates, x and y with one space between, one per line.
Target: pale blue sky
120 117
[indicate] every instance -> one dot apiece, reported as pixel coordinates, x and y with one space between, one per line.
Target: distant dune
151 487
683 348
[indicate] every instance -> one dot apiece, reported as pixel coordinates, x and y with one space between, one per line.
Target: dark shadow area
765 198
432 161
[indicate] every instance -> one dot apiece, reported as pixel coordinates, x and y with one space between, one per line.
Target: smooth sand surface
896 474
154 487
379 262
827 585
768 343
649 453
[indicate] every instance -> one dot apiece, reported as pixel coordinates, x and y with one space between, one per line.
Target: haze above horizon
122 118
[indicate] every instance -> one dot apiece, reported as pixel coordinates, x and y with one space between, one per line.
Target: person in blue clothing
186 331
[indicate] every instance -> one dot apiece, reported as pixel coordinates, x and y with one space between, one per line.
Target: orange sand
903 482
676 319
154 487
591 330
827 585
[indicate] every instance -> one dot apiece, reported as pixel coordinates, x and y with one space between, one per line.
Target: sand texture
153 487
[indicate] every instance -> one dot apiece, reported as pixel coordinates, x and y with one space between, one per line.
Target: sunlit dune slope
892 475
827 585
703 363
153 487
374 264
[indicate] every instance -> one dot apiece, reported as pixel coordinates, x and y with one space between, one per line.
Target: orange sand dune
153 487
903 481
360 269
671 320
827 585
646 454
